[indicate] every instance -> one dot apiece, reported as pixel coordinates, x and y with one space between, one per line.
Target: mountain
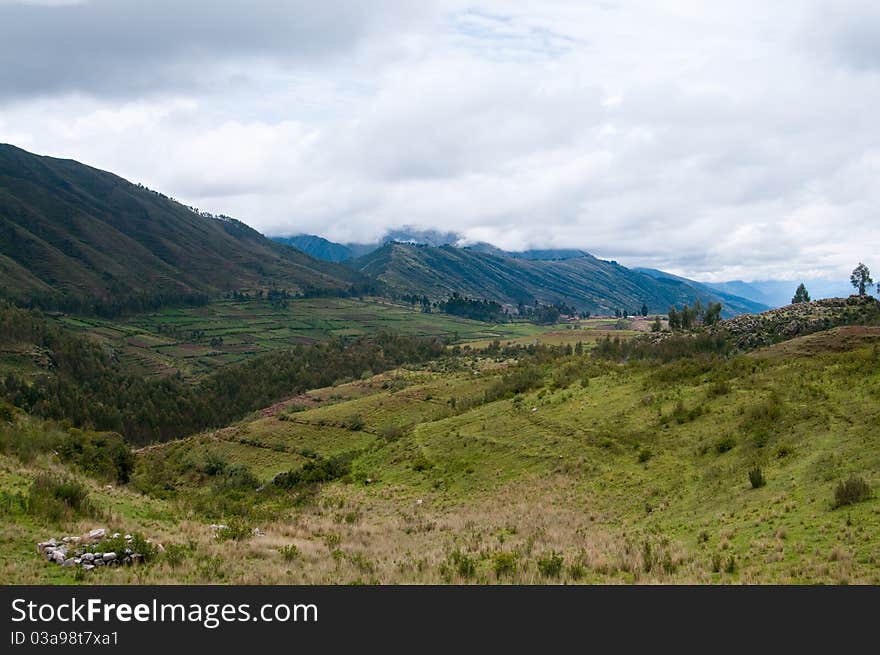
318 247
584 282
737 303
321 248
78 238
778 293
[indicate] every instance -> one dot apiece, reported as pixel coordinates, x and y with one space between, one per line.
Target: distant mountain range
778 293
576 279
76 237
79 239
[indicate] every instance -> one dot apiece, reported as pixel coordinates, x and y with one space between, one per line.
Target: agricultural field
754 468
198 340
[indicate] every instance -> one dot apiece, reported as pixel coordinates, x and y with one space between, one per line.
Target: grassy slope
557 470
69 228
584 282
163 341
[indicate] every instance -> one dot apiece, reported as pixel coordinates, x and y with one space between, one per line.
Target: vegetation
624 460
851 491
90 389
800 295
861 278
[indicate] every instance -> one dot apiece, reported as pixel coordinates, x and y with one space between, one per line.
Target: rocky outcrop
91 550
756 330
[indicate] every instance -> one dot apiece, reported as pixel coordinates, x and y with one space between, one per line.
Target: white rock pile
85 551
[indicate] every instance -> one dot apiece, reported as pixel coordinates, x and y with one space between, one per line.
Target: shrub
784 450
355 422
213 464
290 552
237 476
756 477
392 431
58 498
719 388
576 571
236 530
724 445
175 554
421 463
644 455
851 491
314 472
463 564
550 564
503 563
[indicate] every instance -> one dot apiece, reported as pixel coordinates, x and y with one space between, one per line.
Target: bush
851 491
314 472
422 463
104 455
756 477
289 552
550 564
57 499
392 431
355 423
464 565
237 476
236 530
175 554
504 563
724 445
644 455
214 464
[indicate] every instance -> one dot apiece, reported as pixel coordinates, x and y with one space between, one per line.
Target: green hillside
78 238
585 282
526 466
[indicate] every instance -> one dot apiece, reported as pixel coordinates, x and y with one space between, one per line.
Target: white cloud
736 140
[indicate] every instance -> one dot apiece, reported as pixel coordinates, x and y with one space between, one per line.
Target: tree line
87 386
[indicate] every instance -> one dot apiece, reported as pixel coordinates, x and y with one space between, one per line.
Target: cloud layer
731 140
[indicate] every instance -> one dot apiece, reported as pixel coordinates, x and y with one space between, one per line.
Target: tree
674 320
656 326
861 278
644 309
712 314
801 295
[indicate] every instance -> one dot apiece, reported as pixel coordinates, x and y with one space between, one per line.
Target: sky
725 140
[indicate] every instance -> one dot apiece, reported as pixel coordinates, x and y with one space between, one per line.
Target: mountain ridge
586 282
75 237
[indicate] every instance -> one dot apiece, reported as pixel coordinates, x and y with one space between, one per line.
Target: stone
136 558
68 562
99 562
126 560
88 567
128 537
128 551
109 557
88 557
115 535
98 533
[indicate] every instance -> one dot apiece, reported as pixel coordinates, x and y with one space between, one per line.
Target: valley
519 464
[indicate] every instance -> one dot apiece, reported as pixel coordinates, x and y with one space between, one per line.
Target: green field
603 472
181 339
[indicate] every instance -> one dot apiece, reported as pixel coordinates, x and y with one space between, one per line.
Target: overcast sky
720 140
